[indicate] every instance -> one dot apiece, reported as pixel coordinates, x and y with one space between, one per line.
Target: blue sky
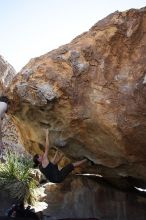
30 28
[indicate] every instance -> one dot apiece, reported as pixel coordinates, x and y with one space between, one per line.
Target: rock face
91 95
10 134
83 198
7 73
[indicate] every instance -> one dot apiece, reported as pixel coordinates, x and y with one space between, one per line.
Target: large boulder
82 198
90 93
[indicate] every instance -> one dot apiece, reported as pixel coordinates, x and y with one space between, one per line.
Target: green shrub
16 178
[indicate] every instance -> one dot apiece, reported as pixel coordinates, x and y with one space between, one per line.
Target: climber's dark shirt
53 174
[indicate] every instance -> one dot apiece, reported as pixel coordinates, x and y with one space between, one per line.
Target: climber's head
37 159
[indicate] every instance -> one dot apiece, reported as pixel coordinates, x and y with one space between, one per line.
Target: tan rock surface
91 95
83 198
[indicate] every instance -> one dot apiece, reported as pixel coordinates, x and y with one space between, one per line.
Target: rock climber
50 168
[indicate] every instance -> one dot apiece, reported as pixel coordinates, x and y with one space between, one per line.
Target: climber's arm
45 156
